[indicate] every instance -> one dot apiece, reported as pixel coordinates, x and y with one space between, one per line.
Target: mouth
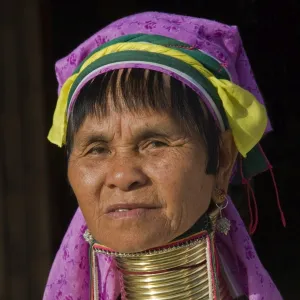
120 211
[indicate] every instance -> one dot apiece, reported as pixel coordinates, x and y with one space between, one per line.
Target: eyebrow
93 138
152 133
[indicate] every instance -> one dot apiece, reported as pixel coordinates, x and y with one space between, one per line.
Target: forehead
129 127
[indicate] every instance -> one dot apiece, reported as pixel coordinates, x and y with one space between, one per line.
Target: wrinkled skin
146 160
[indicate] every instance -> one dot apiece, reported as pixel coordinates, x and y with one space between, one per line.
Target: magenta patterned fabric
69 276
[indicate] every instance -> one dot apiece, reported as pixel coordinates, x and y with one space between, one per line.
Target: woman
160 114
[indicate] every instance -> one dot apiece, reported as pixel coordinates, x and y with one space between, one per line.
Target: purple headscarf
69 276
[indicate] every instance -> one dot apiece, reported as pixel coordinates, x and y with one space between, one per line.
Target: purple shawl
69 276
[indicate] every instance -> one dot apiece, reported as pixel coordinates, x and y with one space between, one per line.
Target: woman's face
139 179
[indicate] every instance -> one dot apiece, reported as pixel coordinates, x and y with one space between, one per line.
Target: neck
187 268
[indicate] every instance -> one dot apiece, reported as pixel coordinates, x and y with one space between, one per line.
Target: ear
227 158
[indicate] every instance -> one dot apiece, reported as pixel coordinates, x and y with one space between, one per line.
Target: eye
157 144
98 150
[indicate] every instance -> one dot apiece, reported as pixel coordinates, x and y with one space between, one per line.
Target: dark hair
140 89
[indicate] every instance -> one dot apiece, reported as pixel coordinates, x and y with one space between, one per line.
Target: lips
122 209
125 207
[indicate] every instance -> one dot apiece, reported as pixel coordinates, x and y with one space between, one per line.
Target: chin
131 235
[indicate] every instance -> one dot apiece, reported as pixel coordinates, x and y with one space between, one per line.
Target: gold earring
220 195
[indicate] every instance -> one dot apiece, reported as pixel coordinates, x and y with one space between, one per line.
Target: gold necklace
184 269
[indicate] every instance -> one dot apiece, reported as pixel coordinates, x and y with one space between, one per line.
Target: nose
126 176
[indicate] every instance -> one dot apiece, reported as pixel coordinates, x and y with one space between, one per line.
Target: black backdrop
271 33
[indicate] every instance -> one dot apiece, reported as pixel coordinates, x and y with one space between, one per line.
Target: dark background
36 204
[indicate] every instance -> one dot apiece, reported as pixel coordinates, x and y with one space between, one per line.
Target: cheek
198 195
86 180
183 186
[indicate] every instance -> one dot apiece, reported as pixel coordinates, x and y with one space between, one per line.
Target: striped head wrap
232 106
